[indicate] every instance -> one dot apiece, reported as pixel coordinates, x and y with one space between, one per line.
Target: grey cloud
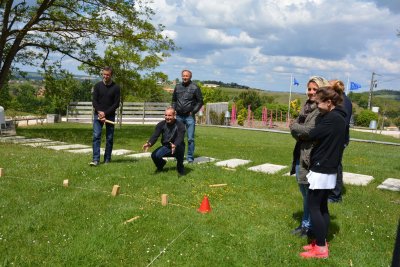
392 5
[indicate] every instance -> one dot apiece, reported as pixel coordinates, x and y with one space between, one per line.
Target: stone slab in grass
288 174
67 147
267 168
139 155
116 152
356 179
44 144
31 140
119 152
232 163
390 184
9 139
200 160
83 151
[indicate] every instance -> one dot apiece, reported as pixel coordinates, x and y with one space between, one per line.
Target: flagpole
290 94
348 85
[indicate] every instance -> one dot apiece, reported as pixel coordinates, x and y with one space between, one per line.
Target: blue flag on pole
295 82
354 86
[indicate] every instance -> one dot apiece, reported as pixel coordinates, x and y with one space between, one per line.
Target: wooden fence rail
127 113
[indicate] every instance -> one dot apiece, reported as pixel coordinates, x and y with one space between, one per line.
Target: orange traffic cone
205 206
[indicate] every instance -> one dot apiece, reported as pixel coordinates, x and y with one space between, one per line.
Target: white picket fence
127 113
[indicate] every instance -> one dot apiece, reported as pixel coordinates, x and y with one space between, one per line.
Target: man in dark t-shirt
106 98
172 141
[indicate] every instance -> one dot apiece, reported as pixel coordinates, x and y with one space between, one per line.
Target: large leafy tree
36 33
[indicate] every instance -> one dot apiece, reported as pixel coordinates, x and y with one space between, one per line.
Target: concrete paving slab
392 184
9 139
84 151
31 140
232 163
44 144
288 174
65 147
267 168
116 152
119 152
139 155
356 179
200 160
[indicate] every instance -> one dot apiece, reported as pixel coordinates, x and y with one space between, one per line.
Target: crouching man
173 145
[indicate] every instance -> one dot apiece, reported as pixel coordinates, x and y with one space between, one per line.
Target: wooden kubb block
1 172
115 190
164 199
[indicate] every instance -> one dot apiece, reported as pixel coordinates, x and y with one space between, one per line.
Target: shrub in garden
365 117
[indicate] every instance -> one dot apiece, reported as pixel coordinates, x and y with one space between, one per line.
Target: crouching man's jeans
165 151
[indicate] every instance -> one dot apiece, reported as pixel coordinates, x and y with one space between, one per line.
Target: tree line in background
58 88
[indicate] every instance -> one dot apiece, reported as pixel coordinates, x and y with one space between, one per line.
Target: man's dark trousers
165 151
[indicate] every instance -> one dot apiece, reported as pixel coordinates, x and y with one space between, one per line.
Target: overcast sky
261 43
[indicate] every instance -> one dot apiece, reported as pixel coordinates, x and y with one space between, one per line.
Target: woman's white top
321 180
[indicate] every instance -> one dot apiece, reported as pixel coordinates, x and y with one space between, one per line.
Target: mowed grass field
44 223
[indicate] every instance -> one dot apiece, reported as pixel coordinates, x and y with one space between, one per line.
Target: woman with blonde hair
329 138
301 154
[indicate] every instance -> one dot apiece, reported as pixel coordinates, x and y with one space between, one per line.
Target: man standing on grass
187 101
106 98
335 195
173 145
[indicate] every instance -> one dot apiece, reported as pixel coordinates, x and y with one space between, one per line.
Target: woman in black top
329 138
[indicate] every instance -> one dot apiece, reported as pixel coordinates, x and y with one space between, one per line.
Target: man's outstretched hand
146 146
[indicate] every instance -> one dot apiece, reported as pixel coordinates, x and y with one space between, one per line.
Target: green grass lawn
46 224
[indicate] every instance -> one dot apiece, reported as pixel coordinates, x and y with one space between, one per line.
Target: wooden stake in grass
217 185
164 199
65 183
132 219
115 190
1 172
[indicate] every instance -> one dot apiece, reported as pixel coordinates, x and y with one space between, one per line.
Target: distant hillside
229 85
390 94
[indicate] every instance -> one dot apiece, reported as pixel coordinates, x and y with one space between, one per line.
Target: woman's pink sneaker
316 252
312 245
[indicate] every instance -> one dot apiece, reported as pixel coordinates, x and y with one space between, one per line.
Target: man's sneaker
305 232
94 163
107 161
297 230
316 252
335 199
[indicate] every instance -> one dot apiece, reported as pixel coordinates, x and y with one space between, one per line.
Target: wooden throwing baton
110 122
